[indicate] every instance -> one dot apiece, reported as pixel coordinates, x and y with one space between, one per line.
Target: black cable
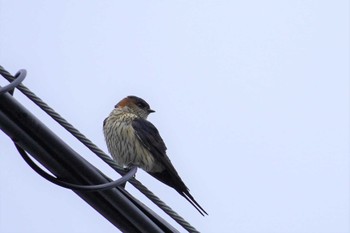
86 188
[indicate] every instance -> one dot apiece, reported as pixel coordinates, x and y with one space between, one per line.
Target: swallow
134 141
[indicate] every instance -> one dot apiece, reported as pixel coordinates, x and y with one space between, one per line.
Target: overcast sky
251 99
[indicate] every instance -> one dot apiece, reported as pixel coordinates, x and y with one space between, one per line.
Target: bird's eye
141 105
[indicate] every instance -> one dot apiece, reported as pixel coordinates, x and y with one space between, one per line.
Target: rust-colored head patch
124 102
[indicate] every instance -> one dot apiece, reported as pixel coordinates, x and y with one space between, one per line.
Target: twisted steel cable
65 124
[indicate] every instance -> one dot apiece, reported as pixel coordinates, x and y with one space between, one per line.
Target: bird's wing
149 136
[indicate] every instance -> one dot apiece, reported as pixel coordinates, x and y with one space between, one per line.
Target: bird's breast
124 146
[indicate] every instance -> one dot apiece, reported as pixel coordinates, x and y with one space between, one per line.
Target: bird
134 141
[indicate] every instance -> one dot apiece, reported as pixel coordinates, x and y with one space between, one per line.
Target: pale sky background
252 100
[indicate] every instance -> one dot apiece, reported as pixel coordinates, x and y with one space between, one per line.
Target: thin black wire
60 120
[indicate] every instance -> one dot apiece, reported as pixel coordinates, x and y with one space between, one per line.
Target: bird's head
135 105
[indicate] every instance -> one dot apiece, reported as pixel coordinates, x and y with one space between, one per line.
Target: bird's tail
180 187
186 194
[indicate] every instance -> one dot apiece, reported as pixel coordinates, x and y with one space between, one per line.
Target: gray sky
252 100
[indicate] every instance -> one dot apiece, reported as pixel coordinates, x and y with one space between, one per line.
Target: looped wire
85 188
19 77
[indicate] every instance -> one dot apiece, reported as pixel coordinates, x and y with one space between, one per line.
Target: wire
86 188
19 77
60 120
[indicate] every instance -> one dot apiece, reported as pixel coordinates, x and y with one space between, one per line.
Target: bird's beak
150 111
